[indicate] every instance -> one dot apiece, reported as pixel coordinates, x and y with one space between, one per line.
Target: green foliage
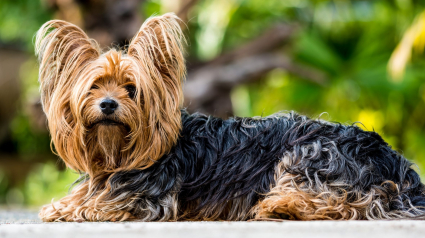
46 183
20 19
28 141
151 8
3 186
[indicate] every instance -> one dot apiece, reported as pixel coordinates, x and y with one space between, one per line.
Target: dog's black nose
108 106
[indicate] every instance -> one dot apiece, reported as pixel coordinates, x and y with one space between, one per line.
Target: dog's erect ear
158 46
158 49
63 51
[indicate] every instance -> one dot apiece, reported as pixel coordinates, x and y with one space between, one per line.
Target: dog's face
117 110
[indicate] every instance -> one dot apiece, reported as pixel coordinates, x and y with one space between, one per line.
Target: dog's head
115 110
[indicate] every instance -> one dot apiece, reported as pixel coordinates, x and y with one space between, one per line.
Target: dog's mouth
107 122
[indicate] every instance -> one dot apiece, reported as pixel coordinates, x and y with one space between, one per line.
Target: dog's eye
94 87
131 90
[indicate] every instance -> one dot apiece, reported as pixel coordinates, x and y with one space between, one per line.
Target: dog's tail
418 203
404 201
416 208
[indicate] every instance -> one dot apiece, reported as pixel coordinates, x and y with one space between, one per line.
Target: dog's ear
63 51
158 46
158 49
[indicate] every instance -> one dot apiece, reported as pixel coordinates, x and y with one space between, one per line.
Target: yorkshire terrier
117 118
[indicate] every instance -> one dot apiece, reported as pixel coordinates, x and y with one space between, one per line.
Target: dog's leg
289 200
293 201
309 185
64 209
58 211
76 207
295 197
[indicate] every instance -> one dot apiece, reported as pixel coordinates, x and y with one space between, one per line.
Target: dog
117 119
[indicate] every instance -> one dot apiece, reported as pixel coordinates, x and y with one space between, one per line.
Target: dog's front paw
50 213
101 214
58 212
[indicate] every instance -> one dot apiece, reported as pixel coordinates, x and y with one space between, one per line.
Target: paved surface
26 224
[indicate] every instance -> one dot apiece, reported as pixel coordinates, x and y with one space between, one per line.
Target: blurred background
355 60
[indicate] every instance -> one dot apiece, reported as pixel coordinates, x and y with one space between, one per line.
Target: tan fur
75 75
74 208
87 203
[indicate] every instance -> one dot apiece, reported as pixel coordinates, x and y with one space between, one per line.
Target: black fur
216 162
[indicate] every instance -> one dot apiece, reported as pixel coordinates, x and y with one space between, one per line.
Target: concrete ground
26 224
